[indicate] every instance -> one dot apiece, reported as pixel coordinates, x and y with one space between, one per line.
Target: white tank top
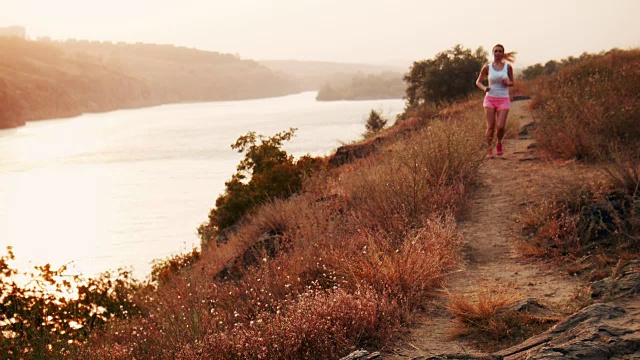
497 88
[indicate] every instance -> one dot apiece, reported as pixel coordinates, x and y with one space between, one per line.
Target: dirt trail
490 260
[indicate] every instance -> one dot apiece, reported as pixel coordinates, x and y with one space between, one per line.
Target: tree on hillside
450 75
375 123
267 172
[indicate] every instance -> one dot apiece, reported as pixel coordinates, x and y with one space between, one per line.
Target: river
120 189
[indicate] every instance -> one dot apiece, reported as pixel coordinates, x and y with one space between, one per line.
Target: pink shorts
498 103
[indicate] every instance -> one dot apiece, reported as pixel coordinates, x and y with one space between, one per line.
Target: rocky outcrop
599 331
267 245
625 284
348 153
362 355
532 307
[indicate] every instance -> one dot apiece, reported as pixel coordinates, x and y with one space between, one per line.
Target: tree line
50 79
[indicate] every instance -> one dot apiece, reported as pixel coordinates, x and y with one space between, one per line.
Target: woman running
496 101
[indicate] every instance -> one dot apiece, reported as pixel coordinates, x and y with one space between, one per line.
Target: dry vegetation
347 261
588 221
358 251
362 248
593 225
490 320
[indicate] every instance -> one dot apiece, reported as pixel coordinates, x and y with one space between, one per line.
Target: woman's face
498 52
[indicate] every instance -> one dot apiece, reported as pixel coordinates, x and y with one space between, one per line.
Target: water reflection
103 191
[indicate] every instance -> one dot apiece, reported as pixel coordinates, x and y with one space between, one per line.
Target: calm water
119 189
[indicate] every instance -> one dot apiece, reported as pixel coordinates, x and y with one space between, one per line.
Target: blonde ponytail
510 57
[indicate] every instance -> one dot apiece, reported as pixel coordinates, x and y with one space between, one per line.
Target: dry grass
488 319
359 250
587 226
623 170
407 273
597 105
429 173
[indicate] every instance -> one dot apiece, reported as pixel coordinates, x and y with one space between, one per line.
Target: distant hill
18 31
313 75
46 79
386 85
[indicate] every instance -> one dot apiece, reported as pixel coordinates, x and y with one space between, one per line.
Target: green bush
449 76
375 123
272 174
553 66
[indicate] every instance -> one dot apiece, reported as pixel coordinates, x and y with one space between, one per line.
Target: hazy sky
363 31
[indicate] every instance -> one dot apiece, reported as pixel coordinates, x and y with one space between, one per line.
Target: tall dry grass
588 225
428 173
407 273
590 110
358 251
590 106
489 318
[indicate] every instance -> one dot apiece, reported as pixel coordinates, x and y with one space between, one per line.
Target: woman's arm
484 74
510 74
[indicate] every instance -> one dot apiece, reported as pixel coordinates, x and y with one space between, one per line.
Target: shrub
375 123
489 320
592 107
161 270
428 173
552 66
317 325
588 226
47 312
449 76
406 273
272 174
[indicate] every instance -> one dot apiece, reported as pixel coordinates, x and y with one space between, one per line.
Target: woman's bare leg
491 124
501 120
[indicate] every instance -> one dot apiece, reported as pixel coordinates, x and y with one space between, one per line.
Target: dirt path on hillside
490 258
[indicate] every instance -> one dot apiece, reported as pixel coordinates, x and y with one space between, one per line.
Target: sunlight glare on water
120 189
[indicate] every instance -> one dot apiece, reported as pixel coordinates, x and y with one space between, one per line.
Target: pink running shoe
499 149
490 154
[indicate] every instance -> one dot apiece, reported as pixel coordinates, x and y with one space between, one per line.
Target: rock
362 355
268 245
347 153
461 357
626 283
527 129
599 331
532 307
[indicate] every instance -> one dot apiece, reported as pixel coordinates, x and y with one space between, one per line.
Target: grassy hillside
40 80
358 253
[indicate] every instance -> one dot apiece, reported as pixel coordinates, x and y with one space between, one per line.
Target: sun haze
372 31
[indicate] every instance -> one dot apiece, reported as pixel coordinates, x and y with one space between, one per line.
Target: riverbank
48 79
